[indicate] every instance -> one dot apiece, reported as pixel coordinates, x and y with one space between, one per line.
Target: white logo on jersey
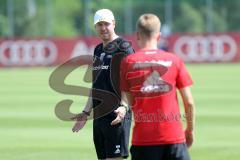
154 83
150 52
152 63
102 56
117 149
101 67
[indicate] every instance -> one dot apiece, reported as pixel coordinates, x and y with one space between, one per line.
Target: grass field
29 129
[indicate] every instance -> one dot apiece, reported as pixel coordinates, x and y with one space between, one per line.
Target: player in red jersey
149 82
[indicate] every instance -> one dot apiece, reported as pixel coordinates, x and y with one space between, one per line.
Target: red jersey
152 77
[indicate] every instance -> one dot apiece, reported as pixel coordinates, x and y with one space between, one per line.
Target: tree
188 19
59 18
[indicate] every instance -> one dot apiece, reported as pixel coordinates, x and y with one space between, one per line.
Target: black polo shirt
106 65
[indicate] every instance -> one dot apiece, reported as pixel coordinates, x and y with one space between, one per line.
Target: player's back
152 77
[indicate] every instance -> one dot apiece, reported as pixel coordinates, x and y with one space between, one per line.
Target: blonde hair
148 25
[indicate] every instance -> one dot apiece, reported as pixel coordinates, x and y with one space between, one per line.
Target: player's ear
158 36
138 36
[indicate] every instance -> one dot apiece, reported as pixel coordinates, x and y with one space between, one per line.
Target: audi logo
206 48
32 52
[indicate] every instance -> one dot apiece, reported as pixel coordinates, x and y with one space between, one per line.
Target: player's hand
121 112
81 120
189 138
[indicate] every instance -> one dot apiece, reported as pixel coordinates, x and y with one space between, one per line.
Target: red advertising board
220 47
43 52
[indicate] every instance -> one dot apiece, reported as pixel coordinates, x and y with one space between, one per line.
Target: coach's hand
189 138
121 112
81 120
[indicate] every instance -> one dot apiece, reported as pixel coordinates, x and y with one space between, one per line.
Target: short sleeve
124 86
126 47
130 50
183 78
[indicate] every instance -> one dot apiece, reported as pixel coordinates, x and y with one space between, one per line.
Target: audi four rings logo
33 52
206 48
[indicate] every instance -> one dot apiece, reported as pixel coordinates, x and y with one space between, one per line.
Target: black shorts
160 152
111 140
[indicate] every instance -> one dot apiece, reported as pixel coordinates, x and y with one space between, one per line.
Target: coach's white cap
103 15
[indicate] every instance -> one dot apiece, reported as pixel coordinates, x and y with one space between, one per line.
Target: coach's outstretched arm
190 114
81 118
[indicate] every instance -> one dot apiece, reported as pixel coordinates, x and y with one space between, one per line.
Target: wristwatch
126 107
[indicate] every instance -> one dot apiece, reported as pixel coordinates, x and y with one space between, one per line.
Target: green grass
29 129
